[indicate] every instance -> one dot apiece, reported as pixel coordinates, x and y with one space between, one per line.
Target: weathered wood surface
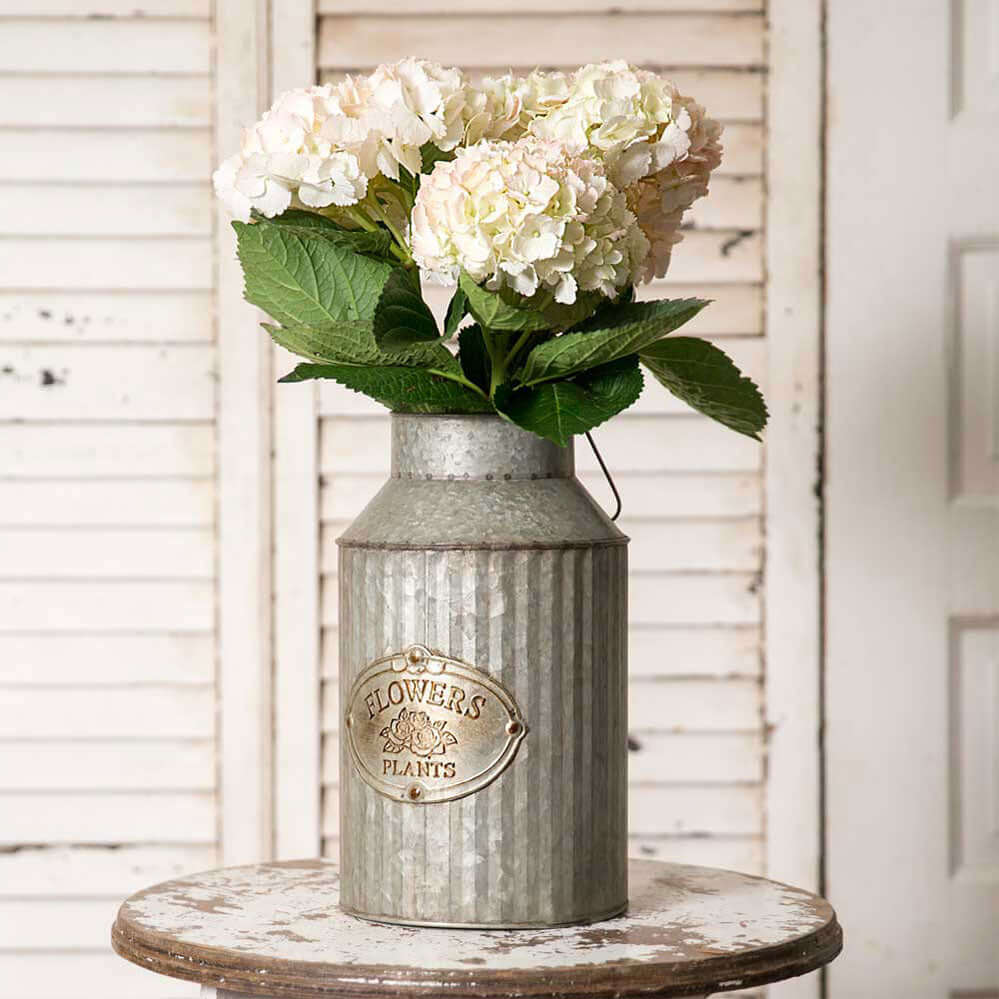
107 45
694 39
276 930
107 155
295 518
109 508
95 102
792 626
244 594
106 317
528 6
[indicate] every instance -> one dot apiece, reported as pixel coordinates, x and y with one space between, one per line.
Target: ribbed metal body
484 547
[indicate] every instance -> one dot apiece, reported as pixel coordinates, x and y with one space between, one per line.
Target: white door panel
912 543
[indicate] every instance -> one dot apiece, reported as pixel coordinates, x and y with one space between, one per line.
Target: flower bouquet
543 199
482 591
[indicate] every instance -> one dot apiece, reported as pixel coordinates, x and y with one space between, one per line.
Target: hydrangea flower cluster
285 156
386 118
634 150
658 146
544 197
320 146
530 215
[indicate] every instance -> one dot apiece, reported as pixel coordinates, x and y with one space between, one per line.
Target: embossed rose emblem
413 730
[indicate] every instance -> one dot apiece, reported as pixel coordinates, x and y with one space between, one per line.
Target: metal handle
607 475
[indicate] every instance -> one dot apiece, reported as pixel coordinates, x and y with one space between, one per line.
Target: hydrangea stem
501 361
460 379
518 346
398 249
495 366
360 219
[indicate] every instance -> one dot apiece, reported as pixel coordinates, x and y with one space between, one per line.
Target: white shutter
913 527
109 586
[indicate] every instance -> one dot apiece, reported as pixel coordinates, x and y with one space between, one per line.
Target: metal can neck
473 447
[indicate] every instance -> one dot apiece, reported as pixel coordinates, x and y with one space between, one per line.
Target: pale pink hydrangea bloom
660 199
658 146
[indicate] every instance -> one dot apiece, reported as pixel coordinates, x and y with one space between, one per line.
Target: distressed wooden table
275 930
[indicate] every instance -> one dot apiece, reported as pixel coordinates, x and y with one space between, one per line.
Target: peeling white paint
289 912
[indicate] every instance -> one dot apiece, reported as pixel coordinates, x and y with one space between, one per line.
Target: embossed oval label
422 727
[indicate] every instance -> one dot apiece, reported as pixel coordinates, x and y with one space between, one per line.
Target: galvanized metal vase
483 648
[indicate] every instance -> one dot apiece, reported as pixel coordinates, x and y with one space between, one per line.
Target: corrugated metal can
483 650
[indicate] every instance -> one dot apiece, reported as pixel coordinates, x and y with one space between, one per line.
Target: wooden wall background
116 301
107 479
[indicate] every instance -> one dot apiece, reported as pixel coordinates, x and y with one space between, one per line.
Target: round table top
276 930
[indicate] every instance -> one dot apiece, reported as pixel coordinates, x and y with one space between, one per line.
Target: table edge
299 979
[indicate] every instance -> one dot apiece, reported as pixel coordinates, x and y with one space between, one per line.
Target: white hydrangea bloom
503 107
426 91
384 119
657 146
284 159
540 92
335 180
492 109
621 115
319 146
527 215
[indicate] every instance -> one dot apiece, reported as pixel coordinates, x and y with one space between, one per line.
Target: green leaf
375 243
606 307
430 155
558 410
300 277
473 357
506 310
409 183
403 390
402 317
705 377
457 309
300 217
497 311
353 342
627 330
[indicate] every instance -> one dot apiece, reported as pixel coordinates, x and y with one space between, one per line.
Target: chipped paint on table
277 930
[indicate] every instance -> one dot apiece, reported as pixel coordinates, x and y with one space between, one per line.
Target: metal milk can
483 650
